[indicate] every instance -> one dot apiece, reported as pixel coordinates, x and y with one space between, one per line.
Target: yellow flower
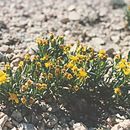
126 71
68 76
35 57
70 65
32 100
21 64
24 88
3 77
38 64
44 58
74 58
82 74
117 57
122 64
76 88
74 68
50 76
117 91
42 86
13 97
24 100
41 41
7 66
57 71
27 57
29 82
102 54
48 64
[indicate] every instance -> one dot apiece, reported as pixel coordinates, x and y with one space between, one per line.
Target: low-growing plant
60 71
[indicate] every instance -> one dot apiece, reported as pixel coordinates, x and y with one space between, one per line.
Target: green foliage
61 70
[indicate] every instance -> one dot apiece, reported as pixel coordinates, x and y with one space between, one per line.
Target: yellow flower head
21 64
44 58
7 66
29 82
102 54
38 64
32 100
74 58
82 74
68 75
70 65
13 97
41 41
24 88
50 76
3 77
117 91
126 71
48 64
42 86
24 100
74 68
27 57
122 64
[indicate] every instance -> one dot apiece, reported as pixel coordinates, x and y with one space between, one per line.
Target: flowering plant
60 71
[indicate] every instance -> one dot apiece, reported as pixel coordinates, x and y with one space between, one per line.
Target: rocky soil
96 22
99 23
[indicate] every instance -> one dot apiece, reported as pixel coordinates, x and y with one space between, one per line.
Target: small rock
103 12
79 126
41 126
71 8
64 20
74 16
52 121
97 41
16 115
6 49
25 126
125 125
115 39
3 119
2 25
93 16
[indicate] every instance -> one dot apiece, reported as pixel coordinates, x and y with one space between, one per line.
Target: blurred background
99 23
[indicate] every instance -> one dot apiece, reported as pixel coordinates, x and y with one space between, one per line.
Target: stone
25 126
103 11
64 20
115 39
71 8
97 41
2 25
52 121
93 16
124 125
74 16
3 119
79 126
6 49
16 115
41 126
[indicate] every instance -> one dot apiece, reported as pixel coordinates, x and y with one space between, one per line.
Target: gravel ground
93 22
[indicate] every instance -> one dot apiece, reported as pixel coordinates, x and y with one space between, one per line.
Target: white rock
3 119
74 16
124 125
79 126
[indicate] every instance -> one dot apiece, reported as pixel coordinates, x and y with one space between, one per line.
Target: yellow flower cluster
124 66
102 54
3 77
